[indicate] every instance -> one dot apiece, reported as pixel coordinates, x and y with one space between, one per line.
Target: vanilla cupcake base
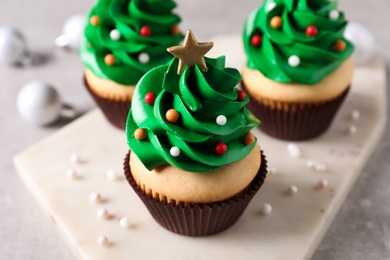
199 219
295 121
195 187
113 99
292 111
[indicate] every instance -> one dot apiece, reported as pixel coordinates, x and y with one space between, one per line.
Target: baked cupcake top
188 113
299 41
126 38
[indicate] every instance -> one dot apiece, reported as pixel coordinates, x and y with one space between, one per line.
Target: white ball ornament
39 103
363 40
12 46
72 32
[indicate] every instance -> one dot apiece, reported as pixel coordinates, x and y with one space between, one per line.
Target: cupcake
123 40
193 161
299 66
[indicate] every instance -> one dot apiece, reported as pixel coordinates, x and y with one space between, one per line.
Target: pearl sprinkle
221 120
294 150
103 214
95 197
292 190
71 174
315 166
272 170
322 184
124 223
355 115
112 175
103 241
334 15
320 167
175 151
294 61
75 159
311 165
144 57
352 129
266 209
115 35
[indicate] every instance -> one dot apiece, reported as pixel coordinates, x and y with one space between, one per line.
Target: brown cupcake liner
115 111
295 121
199 219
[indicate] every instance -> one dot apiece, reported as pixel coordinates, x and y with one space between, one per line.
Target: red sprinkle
220 148
145 31
241 95
150 98
256 40
311 31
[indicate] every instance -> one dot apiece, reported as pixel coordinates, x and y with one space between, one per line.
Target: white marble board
292 231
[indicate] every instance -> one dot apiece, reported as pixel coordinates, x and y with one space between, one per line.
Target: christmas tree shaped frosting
189 114
126 38
296 40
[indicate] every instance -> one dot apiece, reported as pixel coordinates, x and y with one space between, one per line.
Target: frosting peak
207 120
297 41
126 38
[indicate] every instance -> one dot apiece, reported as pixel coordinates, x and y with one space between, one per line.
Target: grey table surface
361 230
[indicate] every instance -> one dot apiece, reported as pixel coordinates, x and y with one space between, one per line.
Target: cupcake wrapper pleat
115 111
199 219
295 121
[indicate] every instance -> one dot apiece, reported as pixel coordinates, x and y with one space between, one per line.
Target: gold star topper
191 53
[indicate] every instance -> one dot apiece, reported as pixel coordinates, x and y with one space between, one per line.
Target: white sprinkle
71 174
175 151
124 222
295 153
355 115
112 175
294 150
115 35
352 129
103 214
143 57
75 159
334 15
322 184
294 61
103 241
95 197
270 6
266 209
320 167
292 190
221 120
311 165
272 170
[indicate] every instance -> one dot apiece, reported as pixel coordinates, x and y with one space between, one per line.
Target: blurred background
357 233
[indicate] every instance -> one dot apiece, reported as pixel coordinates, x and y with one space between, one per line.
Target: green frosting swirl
199 98
128 17
318 58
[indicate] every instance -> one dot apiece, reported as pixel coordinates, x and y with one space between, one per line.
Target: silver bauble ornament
12 46
363 40
72 32
39 103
